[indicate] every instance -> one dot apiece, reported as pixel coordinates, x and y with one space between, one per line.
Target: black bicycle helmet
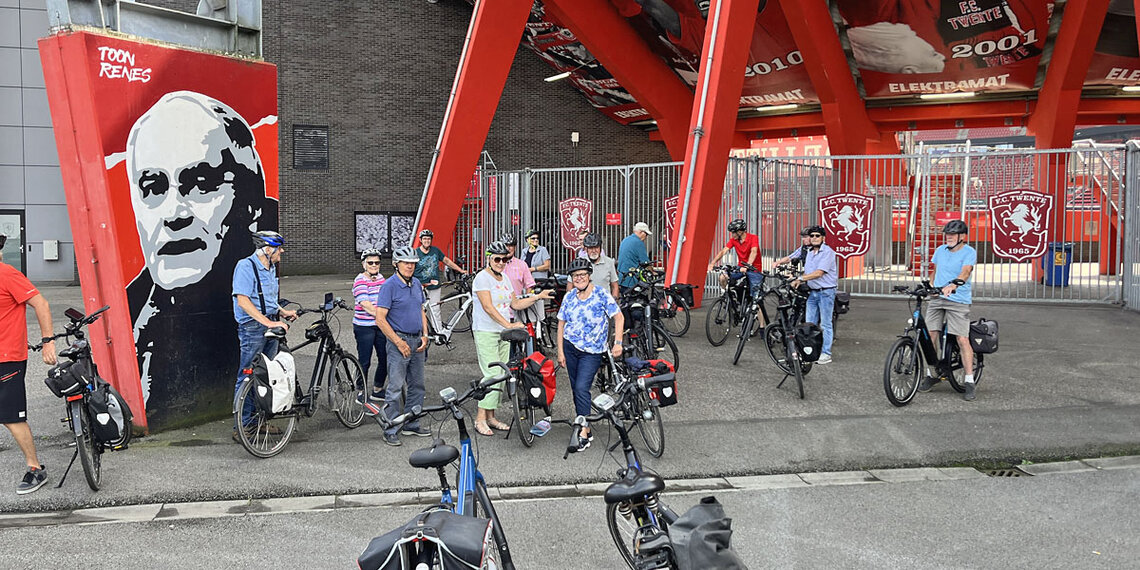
592 240
426 233
407 254
580 264
267 237
737 225
370 252
817 229
531 233
497 248
508 239
956 227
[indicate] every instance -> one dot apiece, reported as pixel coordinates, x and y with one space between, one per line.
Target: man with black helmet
821 273
747 246
256 308
954 262
427 270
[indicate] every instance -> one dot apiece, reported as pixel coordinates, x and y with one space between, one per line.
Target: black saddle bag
463 542
702 538
842 302
984 336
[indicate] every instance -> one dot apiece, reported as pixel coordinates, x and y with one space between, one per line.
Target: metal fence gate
1096 259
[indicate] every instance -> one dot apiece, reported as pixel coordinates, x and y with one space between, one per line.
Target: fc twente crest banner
1019 222
670 219
573 217
847 218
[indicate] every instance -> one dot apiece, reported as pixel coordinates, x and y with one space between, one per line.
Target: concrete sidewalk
1064 385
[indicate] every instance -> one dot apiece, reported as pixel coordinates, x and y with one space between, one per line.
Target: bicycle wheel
524 416
265 435
464 323
498 557
902 372
774 341
89 452
959 384
650 424
675 316
623 527
745 333
665 346
345 398
719 322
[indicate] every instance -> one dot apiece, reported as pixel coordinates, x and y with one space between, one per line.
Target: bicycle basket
463 542
68 378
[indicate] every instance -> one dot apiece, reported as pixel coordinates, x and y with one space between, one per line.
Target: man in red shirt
747 247
15 292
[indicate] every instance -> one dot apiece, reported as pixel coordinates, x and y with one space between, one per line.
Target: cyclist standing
799 254
632 253
427 270
400 314
255 293
516 270
537 260
821 273
954 262
16 293
369 337
583 327
747 248
605 273
490 315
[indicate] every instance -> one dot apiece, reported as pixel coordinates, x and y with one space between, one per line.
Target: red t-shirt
744 249
15 290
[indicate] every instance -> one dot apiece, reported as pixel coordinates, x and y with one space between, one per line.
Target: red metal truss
728 36
614 42
495 31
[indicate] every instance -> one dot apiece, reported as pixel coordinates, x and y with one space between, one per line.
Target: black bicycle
904 371
266 433
782 345
637 519
619 376
644 334
730 309
76 381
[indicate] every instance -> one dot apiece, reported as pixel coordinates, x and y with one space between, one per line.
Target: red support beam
728 35
622 51
494 35
844 112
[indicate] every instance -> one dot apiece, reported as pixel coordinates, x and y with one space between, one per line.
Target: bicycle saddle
641 485
275 332
434 456
514 335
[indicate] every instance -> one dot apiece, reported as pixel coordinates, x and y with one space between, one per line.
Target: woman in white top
490 315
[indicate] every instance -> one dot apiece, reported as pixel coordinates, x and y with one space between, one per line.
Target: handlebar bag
110 413
275 381
665 394
984 336
68 378
809 341
842 302
702 538
464 543
538 380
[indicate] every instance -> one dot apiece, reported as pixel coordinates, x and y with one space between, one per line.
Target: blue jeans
251 339
820 306
581 367
755 281
404 371
369 338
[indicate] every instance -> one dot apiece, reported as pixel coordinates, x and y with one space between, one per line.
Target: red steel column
728 36
495 31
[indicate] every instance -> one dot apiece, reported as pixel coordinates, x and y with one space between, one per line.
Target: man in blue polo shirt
821 273
632 253
400 315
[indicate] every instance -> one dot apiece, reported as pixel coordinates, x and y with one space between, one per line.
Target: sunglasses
372 263
498 259
815 235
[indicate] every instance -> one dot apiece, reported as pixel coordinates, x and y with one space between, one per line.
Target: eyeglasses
815 235
532 237
582 274
372 263
498 259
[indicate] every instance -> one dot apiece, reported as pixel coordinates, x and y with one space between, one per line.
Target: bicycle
78 415
460 319
782 347
545 328
637 519
903 371
644 333
728 311
267 433
617 377
471 497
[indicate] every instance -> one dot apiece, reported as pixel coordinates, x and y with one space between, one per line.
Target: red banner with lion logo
573 217
847 218
1019 223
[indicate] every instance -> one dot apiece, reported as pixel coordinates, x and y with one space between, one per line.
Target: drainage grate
1007 472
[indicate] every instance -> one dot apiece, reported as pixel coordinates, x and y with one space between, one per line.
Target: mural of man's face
186 159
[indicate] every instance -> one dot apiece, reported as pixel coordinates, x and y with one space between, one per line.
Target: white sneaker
823 359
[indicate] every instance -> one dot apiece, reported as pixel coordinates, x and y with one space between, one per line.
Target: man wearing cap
633 253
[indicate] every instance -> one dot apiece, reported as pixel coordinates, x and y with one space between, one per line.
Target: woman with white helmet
369 338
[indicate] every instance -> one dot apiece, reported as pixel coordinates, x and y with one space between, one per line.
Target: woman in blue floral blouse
583 332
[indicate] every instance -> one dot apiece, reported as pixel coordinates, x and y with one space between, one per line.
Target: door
12 225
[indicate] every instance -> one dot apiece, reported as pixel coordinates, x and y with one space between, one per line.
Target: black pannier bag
110 414
984 336
842 302
702 538
685 291
68 378
464 543
809 340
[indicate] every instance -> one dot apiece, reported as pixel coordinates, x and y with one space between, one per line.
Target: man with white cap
632 253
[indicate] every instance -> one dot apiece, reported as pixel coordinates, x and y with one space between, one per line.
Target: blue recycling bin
1056 262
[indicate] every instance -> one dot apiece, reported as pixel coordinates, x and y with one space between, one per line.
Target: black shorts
13 396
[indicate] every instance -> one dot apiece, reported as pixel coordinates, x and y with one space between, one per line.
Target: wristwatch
47 339
957 282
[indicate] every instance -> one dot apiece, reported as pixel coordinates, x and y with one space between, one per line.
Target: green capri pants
490 349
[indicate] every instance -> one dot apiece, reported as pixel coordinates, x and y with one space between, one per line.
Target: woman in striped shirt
365 289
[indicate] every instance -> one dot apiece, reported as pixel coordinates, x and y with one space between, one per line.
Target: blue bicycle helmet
267 237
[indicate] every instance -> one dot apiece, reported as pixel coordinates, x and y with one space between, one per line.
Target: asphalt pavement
1064 385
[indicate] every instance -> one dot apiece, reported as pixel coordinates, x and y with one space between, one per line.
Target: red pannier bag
538 382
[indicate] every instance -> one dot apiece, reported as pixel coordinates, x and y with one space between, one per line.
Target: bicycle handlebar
923 289
479 387
337 303
639 385
73 327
